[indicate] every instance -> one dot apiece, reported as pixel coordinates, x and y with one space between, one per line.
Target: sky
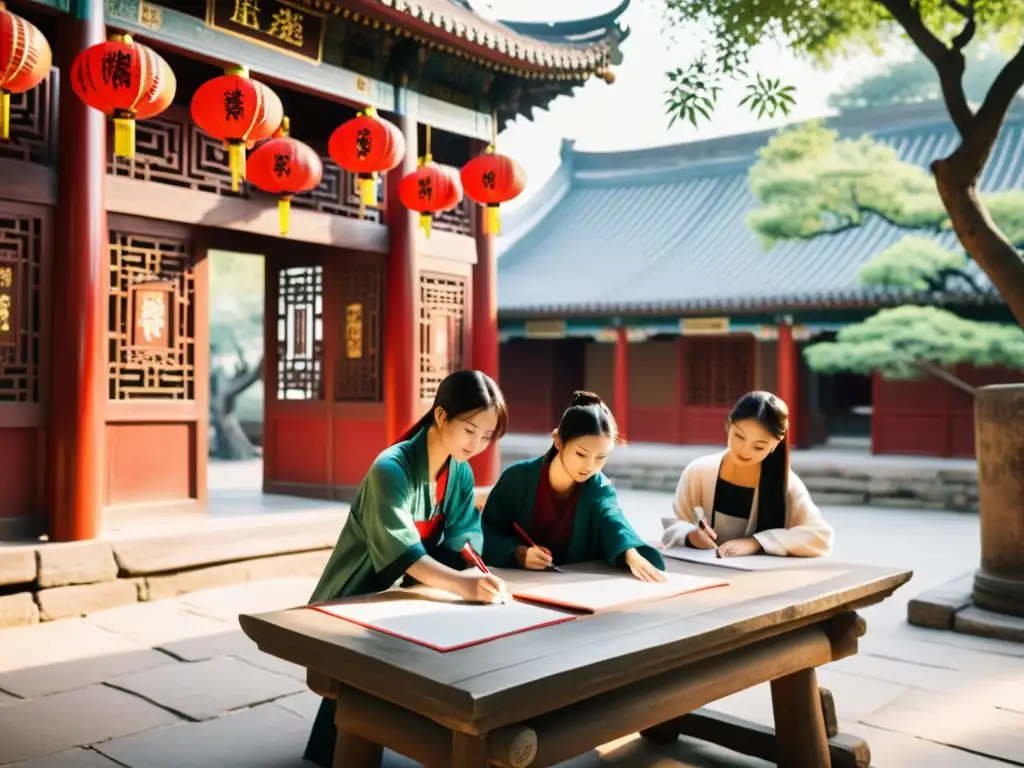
629 114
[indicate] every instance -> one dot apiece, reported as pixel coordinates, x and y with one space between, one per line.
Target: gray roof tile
664 229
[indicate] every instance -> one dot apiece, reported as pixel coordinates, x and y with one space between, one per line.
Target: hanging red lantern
430 189
116 77
233 108
491 179
25 60
367 145
284 166
161 96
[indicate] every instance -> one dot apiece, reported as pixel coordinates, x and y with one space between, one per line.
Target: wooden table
544 696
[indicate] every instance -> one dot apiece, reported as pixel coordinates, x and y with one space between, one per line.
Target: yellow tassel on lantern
492 220
425 223
124 134
236 163
284 207
5 115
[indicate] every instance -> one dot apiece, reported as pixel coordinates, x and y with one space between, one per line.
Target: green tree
940 29
914 81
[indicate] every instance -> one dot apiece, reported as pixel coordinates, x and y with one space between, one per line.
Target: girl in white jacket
746 499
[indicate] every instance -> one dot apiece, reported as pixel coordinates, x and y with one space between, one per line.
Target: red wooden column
80 275
621 393
401 345
486 466
788 376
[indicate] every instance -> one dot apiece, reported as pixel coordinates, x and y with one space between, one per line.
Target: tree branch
944 274
991 115
962 40
948 62
941 373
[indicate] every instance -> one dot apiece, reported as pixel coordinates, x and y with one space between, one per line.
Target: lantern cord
5 114
284 207
492 220
124 134
494 129
425 223
236 163
427 148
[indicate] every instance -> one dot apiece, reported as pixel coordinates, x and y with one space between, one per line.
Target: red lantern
430 189
367 145
162 94
285 167
118 78
25 59
491 179
236 110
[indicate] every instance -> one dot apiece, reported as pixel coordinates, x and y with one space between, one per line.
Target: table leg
469 751
799 722
353 751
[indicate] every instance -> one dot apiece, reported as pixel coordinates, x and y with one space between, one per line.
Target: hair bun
582 398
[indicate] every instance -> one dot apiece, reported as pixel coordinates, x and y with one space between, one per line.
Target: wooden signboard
9 286
152 321
276 24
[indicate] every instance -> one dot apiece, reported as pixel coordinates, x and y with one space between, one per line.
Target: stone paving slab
56 723
272 664
305 704
61 656
73 758
7 698
206 689
227 602
157 624
890 748
226 642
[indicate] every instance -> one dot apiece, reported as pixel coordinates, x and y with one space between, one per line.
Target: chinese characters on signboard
275 23
151 326
8 308
354 331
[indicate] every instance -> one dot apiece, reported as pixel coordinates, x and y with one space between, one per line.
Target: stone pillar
486 466
80 273
788 374
621 394
998 414
401 291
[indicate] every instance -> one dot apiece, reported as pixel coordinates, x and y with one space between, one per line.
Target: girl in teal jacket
413 514
564 505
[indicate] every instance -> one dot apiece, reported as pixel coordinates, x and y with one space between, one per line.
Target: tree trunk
232 442
978 234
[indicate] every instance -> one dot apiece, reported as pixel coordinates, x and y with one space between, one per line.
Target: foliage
820 30
236 303
914 263
902 342
914 81
810 182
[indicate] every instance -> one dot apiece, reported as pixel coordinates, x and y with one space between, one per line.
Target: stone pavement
175 683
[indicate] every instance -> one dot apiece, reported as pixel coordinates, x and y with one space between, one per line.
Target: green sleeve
617 535
391 536
500 541
463 521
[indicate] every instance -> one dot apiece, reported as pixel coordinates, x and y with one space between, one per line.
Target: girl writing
746 499
414 512
566 510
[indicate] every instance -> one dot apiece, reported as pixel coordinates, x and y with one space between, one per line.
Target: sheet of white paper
442 624
748 563
602 591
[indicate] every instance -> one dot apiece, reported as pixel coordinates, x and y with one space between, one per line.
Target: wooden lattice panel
457 220
20 307
32 123
171 150
359 359
300 333
152 318
719 372
442 317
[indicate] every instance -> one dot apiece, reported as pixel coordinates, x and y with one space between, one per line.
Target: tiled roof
492 40
664 229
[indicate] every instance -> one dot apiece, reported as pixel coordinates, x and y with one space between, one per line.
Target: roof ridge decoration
528 57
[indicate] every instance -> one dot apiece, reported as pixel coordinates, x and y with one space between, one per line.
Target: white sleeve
677 530
806 534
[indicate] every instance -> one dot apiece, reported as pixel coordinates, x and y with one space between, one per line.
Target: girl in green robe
413 514
565 509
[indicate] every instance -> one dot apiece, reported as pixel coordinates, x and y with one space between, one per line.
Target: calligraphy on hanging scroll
277 24
8 306
354 331
152 304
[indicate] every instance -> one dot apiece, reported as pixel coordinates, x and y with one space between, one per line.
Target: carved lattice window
442 316
171 149
300 333
719 372
359 361
32 119
152 318
20 310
